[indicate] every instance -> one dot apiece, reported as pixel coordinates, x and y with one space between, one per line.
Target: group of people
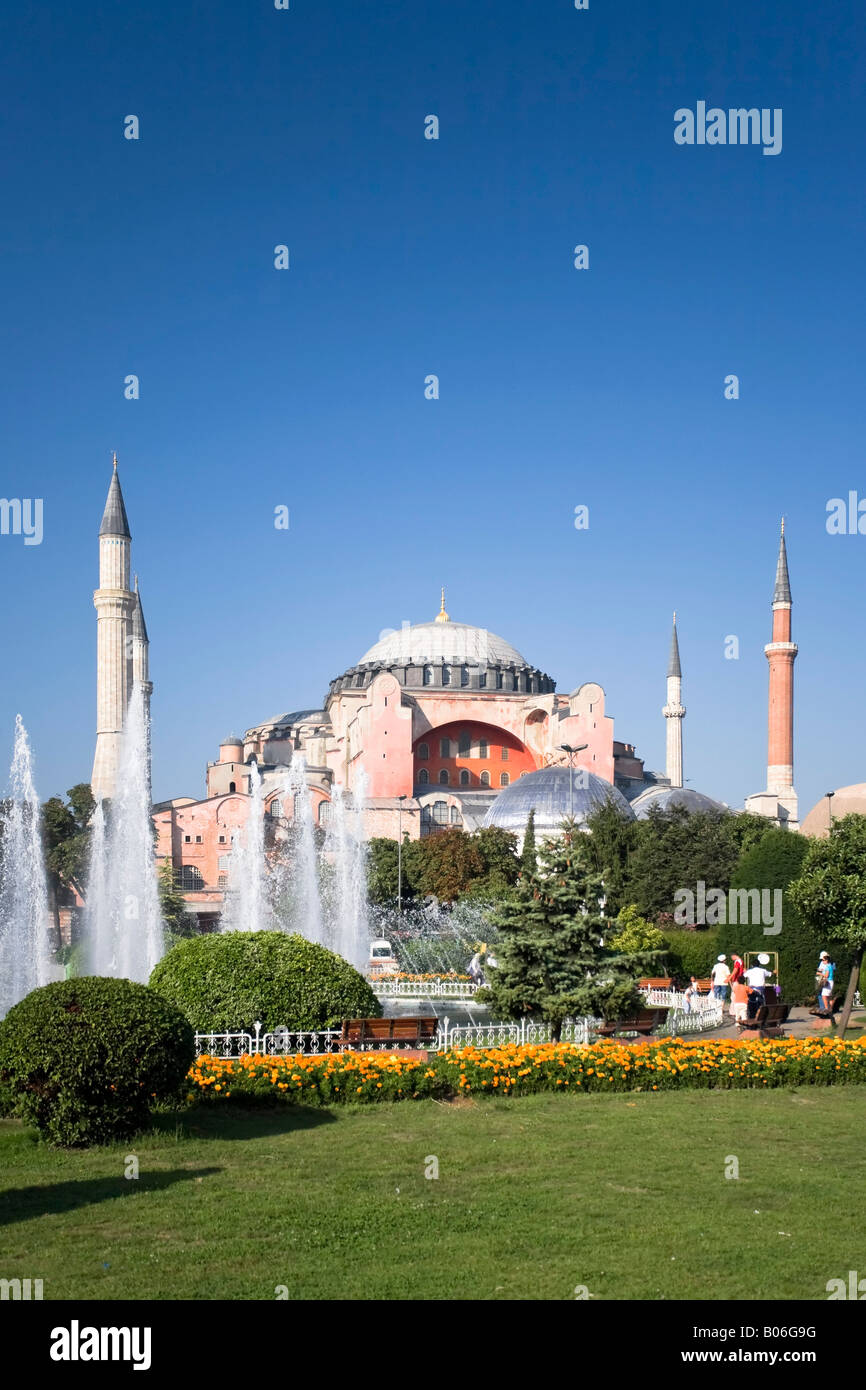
748 987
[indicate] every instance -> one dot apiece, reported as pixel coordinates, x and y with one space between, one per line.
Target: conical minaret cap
674 658
114 520
138 626
782 590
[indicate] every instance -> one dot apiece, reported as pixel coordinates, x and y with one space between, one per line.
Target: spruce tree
551 960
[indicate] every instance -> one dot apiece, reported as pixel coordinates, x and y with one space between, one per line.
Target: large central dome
437 642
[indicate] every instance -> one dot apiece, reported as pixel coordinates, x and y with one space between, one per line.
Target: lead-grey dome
665 797
550 791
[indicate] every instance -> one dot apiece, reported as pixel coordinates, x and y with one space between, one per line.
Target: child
739 1000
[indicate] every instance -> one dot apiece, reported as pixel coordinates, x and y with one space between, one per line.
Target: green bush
774 863
84 1059
227 982
691 952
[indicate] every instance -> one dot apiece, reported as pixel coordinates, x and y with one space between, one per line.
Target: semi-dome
553 792
845 801
666 797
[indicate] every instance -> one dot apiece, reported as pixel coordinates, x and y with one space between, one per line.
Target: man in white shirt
720 973
756 979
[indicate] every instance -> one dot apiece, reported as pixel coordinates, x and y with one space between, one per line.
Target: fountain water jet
247 904
349 932
123 922
307 905
25 947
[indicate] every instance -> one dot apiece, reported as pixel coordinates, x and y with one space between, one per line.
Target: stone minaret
779 801
116 606
674 713
141 664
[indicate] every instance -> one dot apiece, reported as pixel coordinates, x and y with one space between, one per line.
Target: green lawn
624 1194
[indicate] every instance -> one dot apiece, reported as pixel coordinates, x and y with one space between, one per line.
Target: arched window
423 752
423 777
464 675
482 681
275 809
464 745
456 818
191 880
482 749
504 754
443 777
444 748
504 779
324 812
428 675
440 812
232 787
485 779
464 777
298 806
446 675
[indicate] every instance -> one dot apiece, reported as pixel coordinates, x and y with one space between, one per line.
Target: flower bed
664 1065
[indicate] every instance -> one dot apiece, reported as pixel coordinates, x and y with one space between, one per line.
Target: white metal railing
676 999
693 1020
283 1042
423 989
574 1030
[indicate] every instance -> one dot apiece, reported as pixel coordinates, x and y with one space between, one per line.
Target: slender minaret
141 663
781 654
674 713
115 605
779 801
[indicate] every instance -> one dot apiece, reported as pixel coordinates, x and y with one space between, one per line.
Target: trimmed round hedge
83 1059
227 982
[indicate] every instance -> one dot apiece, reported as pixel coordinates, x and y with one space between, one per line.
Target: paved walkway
800 1024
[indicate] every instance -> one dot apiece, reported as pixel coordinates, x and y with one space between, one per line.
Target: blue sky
558 387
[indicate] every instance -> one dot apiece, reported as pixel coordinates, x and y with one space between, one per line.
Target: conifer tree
551 961
529 853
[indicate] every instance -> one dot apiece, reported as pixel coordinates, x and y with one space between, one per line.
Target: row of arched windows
324 813
465 779
464 749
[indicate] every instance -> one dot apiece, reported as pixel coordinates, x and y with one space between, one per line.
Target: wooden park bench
387 1033
661 982
704 986
643 1022
767 1022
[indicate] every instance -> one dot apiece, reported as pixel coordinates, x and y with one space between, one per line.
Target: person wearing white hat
757 978
720 973
825 978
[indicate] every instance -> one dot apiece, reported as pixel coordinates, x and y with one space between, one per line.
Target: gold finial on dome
442 616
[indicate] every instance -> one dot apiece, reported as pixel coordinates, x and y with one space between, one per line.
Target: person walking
826 981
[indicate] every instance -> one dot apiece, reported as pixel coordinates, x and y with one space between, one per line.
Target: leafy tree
634 933
831 894
771 864
676 849
529 852
498 849
551 962
66 841
446 863
613 842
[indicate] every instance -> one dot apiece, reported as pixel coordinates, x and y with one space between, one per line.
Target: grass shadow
238 1122
51 1199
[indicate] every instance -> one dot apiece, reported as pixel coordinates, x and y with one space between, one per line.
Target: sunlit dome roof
298 716
845 801
665 797
438 642
553 792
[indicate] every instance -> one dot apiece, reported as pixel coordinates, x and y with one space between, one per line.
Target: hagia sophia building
450 724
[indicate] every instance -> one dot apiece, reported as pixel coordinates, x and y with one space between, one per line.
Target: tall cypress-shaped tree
529 852
551 963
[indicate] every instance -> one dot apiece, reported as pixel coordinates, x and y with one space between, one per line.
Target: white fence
574 1030
281 1043
423 989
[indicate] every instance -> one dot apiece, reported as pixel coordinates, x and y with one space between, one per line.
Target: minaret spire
674 713
442 616
779 801
116 606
